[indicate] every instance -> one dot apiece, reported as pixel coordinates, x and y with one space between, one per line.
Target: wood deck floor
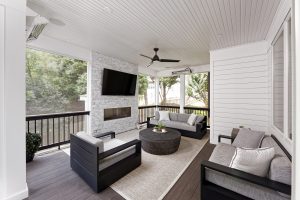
50 177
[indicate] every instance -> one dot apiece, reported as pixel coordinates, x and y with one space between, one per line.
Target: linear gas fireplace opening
116 113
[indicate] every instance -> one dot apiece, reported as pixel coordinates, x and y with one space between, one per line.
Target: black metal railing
55 129
175 109
144 112
148 111
197 111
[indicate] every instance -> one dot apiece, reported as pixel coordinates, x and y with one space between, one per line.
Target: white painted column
88 101
12 100
182 93
156 92
296 135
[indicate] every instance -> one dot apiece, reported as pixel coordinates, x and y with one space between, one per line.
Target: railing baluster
81 120
77 123
34 126
73 124
48 137
69 131
42 137
53 132
64 128
58 132
28 126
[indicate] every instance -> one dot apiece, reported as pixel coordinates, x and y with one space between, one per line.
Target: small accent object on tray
160 128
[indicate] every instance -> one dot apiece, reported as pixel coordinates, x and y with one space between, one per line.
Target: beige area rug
157 174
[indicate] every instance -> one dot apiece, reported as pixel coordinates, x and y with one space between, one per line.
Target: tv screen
118 83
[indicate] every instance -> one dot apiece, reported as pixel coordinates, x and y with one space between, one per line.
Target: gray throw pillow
173 116
156 115
248 138
199 119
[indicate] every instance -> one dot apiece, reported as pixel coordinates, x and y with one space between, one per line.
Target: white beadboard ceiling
182 29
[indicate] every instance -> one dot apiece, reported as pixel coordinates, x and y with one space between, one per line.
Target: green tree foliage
197 87
165 83
53 82
143 86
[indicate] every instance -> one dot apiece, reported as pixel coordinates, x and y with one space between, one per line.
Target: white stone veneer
100 102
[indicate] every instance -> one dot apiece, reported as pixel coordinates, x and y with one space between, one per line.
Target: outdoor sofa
178 121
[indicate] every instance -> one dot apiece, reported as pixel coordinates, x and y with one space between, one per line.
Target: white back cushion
95 141
164 115
253 161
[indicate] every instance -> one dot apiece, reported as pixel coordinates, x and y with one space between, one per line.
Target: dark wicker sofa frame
201 129
85 162
211 191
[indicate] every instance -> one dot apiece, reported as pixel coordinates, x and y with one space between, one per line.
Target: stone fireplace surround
100 102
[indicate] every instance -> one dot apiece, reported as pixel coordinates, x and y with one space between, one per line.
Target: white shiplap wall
239 89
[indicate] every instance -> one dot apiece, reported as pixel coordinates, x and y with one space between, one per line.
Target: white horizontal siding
240 92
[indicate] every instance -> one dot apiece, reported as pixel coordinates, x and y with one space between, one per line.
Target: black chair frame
85 162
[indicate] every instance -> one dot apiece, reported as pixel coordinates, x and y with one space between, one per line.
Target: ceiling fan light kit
156 58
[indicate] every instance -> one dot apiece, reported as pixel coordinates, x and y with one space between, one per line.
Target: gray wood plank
50 177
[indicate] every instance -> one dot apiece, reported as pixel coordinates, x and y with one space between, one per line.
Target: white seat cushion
110 160
95 141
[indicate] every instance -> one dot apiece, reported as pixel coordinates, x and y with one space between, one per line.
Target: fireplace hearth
116 113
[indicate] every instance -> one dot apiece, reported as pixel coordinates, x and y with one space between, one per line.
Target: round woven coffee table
160 143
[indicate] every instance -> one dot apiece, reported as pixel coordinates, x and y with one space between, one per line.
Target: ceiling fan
156 58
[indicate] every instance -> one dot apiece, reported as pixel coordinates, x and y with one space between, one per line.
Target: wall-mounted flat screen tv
118 83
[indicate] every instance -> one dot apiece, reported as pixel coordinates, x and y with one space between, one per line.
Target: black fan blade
168 60
150 64
146 56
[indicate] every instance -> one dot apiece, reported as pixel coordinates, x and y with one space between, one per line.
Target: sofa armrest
148 118
148 121
136 143
201 128
111 133
264 182
225 137
202 125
